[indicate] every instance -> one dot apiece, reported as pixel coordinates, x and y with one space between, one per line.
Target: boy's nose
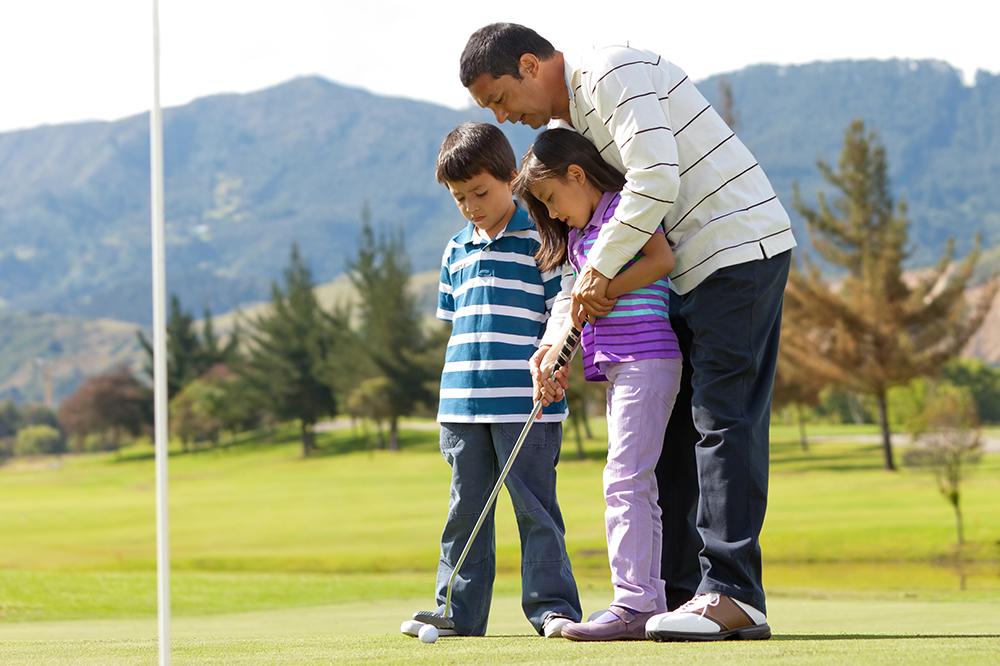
501 115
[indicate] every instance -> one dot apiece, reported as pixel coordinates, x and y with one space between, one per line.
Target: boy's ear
528 65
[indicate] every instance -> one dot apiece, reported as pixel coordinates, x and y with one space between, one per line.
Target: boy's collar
519 221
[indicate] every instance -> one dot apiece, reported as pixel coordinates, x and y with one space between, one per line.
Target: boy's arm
656 261
627 101
446 302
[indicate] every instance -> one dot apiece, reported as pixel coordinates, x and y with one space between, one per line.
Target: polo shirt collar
601 209
519 221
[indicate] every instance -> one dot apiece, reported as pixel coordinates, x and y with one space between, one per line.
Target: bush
983 383
39 440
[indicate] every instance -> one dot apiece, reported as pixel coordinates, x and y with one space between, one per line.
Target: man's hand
590 296
545 389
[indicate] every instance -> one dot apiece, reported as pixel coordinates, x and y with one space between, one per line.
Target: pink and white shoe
709 617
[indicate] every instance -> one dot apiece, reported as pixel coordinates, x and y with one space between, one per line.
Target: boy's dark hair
550 157
497 49
472 148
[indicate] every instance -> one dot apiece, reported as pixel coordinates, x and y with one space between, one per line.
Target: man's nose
501 115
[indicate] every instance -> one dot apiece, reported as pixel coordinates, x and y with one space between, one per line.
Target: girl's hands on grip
546 389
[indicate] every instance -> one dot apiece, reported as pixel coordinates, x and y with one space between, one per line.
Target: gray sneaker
553 625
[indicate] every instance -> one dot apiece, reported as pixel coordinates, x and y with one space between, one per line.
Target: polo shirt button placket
485 272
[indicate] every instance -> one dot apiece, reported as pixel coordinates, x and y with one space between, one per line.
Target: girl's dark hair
496 50
550 157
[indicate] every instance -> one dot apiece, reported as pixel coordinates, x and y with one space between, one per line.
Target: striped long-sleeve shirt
498 302
685 169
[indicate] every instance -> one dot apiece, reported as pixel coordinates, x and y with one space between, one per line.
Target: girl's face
571 199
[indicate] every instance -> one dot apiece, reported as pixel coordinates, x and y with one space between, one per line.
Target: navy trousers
712 474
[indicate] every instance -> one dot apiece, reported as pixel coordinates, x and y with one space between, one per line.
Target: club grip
566 353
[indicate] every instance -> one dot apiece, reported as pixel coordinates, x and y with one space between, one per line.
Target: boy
687 171
498 302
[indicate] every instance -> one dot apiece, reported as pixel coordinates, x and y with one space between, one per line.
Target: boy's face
524 100
485 201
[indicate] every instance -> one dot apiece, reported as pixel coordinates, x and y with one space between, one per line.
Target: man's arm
630 105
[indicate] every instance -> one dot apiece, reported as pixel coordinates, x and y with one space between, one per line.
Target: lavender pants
641 396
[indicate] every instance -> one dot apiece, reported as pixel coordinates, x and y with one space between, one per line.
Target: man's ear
528 65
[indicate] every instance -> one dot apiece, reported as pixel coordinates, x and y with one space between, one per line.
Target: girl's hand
547 390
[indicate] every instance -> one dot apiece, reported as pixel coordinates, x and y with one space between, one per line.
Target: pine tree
390 332
188 355
183 348
289 348
874 329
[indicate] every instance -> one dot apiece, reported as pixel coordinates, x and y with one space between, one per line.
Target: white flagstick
159 351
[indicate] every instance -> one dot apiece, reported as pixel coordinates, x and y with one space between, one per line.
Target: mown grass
276 557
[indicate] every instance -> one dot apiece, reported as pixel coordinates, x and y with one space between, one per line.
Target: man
686 170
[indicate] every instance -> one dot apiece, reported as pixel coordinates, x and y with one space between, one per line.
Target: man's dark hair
497 49
472 148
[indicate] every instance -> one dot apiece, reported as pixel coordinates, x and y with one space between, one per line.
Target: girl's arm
656 261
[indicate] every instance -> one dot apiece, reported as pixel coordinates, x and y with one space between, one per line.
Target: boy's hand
543 388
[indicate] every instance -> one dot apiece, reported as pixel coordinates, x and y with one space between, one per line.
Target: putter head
435 619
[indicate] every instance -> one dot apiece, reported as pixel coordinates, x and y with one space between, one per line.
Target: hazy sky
63 60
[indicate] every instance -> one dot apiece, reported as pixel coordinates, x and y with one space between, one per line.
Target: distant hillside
338 292
246 175
72 348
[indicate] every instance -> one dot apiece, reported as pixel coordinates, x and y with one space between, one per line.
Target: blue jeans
477 452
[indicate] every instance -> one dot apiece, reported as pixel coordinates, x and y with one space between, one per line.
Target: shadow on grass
346 441
872 637
246 441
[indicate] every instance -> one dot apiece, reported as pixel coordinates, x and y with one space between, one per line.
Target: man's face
523 100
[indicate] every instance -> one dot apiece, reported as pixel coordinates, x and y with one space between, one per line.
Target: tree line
297 361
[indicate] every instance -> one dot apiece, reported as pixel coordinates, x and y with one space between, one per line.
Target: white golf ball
428 633
410 627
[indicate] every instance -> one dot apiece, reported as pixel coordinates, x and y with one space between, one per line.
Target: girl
572 193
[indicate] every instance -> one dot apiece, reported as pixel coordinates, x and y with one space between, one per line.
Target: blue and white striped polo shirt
498 302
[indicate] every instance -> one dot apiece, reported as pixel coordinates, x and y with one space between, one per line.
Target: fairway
283 560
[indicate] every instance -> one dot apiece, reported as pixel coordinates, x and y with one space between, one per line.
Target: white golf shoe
709 617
